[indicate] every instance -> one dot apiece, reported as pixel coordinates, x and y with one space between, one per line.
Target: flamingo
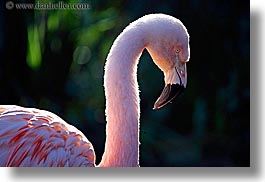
34 137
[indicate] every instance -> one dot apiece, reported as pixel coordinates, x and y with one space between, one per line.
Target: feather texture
33 137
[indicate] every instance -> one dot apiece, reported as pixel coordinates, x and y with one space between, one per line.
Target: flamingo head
168 46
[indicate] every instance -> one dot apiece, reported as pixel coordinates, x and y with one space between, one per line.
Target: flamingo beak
168 94
171 91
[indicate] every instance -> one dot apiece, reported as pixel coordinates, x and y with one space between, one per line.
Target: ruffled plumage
33 137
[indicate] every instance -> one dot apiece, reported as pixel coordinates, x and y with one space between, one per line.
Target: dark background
53 60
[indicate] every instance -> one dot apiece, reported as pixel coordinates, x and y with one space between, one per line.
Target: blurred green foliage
34 51
54 60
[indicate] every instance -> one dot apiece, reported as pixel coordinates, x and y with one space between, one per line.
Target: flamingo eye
177 51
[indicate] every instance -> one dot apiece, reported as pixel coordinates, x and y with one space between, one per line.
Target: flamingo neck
122 101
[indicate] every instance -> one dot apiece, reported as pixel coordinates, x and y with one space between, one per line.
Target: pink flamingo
33 137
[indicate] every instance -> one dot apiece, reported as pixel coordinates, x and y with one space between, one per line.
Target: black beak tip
155 107
169 92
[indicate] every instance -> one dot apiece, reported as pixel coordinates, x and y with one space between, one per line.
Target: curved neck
122 101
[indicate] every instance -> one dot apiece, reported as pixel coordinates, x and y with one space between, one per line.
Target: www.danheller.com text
46 6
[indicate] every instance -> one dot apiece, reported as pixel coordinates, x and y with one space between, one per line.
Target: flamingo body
33 137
